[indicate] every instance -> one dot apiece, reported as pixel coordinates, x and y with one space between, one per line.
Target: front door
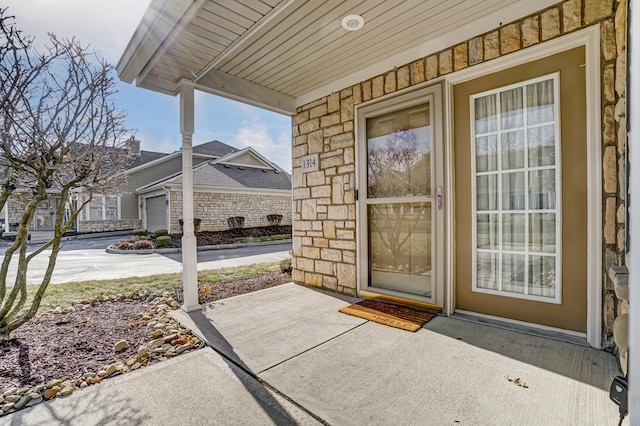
401 197
521 193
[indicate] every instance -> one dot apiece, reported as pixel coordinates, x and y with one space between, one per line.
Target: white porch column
189 251
633 98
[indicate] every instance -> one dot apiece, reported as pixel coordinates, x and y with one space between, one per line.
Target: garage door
157 213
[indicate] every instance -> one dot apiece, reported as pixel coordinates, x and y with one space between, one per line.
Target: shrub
236 222
274 219
124 245
160 232
142 244
163 241
196 224
285 266
140 232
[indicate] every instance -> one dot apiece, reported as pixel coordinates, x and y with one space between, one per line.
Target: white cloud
106 25
255 133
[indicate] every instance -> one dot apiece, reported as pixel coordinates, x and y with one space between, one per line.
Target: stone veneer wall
324 207
108 225
214 209
16 208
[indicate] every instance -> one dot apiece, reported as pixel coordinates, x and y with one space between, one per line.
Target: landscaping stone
50 393
9 392
66 391
53 383
143 351
157 342
111 369
22 402
121 345
183 348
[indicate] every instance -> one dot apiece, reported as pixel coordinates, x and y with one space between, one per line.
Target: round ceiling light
352 22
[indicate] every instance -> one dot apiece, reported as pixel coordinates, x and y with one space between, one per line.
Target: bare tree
60 135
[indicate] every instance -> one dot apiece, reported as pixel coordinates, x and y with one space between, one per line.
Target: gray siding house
242 183
149 208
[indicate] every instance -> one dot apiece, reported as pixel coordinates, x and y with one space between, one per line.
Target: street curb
201 248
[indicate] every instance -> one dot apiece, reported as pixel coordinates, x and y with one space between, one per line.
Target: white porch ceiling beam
228 86
187 14
149 37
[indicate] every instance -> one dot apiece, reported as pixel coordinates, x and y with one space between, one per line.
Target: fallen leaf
517 381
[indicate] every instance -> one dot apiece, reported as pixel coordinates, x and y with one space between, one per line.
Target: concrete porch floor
345 370
285 355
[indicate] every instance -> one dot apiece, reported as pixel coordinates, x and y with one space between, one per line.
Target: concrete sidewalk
96 264
289 357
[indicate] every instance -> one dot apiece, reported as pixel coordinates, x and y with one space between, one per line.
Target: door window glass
516 180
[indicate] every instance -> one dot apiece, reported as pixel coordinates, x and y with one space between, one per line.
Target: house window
94 209
111 208
516 187
103 208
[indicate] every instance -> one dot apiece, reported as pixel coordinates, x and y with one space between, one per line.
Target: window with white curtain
516 190
103 208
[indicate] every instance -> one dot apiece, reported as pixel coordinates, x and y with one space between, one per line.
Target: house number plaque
310 163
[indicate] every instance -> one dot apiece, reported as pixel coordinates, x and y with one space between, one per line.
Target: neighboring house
242 183
520 105
129 210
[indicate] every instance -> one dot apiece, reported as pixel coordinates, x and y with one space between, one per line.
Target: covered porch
315 62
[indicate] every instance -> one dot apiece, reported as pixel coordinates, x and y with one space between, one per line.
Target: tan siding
247 159
129 199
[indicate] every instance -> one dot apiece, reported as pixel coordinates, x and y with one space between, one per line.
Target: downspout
167 209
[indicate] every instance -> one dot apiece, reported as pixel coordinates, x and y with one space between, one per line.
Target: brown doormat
387 314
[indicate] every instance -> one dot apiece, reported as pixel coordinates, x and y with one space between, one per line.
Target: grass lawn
70 293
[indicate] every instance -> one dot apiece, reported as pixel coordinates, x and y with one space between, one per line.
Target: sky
107 26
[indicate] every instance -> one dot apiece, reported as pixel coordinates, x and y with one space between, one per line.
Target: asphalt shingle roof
214 148
145 157
234 176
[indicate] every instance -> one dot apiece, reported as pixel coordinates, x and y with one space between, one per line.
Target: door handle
438 197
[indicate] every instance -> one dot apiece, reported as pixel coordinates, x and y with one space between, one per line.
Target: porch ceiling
279 54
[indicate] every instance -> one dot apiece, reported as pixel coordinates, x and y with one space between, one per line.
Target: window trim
526 211
86 215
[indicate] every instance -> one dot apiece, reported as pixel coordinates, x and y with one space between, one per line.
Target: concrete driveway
86 259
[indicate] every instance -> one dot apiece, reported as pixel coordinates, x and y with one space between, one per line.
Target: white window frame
103 202
526 169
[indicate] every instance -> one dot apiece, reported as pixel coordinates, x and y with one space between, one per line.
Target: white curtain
501 188
540 101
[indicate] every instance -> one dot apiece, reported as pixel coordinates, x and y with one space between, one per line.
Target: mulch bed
224 289
68 345
231 236
211 238
51 347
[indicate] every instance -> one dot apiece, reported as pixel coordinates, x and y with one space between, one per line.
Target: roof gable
246 157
